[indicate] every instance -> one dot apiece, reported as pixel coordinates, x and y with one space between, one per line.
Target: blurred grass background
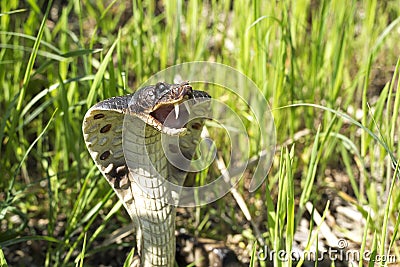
59 58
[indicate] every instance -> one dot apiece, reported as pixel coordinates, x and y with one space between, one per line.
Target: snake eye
160 86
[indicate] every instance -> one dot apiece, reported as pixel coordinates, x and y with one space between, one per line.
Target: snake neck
153 217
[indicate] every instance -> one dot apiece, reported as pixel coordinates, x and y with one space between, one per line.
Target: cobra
124 137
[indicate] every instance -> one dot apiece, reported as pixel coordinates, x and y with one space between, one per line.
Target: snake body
123 135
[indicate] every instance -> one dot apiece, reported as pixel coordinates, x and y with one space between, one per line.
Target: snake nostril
105 155
105 128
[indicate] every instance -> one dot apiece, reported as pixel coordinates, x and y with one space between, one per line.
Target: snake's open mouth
166 107
173 115
172 108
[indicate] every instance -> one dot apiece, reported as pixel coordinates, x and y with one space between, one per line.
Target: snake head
159 106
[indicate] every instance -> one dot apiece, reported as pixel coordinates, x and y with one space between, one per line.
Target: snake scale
124 137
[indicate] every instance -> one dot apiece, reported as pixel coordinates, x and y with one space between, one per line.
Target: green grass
327 68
